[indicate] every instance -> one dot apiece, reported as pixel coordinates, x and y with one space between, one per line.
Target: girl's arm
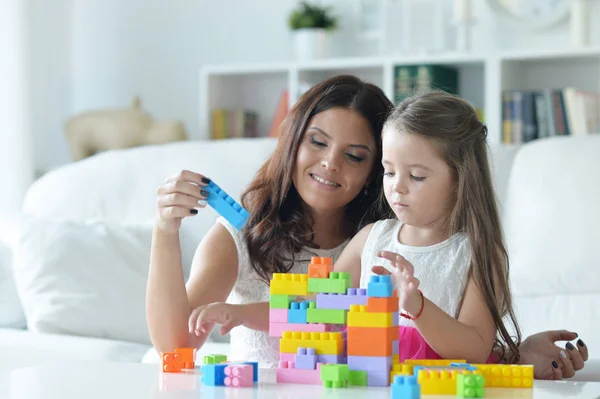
349 260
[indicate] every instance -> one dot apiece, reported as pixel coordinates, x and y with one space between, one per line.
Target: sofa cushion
552 219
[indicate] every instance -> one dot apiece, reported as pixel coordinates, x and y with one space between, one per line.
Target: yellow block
323 343
289 284
359 317
396 359
400 369
506 375
433 362
440 382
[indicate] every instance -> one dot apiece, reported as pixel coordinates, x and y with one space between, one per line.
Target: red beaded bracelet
407 316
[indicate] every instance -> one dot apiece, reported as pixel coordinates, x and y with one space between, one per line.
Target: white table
104 380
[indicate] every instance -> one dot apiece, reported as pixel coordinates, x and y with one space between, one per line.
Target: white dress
253 345
442 269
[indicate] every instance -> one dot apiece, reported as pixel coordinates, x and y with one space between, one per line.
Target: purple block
395 319
306 359
370 363
378 378
331 359
395 348
354 296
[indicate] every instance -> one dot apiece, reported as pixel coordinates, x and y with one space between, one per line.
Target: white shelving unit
482 78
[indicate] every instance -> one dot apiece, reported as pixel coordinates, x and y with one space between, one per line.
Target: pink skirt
413 346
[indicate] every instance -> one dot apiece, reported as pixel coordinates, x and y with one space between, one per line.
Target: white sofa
80 250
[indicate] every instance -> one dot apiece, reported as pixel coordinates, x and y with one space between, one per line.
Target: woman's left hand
225 314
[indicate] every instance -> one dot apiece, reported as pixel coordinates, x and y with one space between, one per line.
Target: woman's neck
328 228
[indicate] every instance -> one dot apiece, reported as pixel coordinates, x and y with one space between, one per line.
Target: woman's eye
317 143
417 178
388 174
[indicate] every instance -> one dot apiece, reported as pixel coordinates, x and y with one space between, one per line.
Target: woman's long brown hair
455 130
278 227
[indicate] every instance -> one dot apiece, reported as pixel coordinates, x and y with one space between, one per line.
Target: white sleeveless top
253 345
442 269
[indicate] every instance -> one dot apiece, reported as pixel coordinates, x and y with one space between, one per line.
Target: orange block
371 341
320 267
188 357
171 362
382 305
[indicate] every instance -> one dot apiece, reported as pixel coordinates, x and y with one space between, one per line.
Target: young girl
446 246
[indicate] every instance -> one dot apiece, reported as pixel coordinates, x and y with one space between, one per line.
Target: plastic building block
359 317
172 362
433 362
380 286
506 375
396 347
330 316
240 375
406 387
306 359
335 375
278 315
439 382
329 359
226 206
470 386
279 301
177 382
342 301
396 359
382 305
188 357
320 267
387 335
370 363
288 373
337 283
213 374
214 359
289 284
357 378
401 369
277 329
323 343
378 378
297 312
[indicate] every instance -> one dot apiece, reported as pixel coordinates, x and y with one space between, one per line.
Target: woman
320 186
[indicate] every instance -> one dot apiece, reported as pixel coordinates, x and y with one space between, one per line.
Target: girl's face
417 182
335 159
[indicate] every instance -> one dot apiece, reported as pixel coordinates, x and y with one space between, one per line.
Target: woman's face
335 159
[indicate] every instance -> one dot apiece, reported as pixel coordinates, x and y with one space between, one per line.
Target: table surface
135 380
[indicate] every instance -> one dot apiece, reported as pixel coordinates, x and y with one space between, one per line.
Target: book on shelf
280 113
231 123
533 114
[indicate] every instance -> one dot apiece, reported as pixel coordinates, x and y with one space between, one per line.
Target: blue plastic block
405 387
226 206
297 312
380 287
465 366
213 374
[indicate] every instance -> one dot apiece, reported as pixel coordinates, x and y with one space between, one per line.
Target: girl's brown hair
454 129
278 227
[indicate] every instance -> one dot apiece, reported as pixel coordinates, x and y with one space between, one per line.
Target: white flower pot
311 43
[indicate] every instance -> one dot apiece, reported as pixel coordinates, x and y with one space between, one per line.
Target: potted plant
311 25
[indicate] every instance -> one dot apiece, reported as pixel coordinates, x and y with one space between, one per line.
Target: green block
329 316
334 375
278 301
337 283
470 386
214 359
357 378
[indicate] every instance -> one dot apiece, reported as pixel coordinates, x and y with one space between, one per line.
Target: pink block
277 329
239 376
286 373
278 315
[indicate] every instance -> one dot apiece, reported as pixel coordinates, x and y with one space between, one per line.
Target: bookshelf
482 79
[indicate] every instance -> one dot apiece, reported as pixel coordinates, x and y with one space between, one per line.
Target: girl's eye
355 158
417 178
317 143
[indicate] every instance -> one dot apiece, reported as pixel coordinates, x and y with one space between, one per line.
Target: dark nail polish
570 346
580 343
204 193
205 180
193 211
554 364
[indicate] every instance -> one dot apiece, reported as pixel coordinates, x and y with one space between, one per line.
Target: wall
105 52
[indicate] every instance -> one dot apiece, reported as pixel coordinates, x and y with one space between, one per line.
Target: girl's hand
204 317
179 197
409 298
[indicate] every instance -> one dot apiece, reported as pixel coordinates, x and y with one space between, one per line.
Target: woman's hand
179 197
550 361
409 298
204 317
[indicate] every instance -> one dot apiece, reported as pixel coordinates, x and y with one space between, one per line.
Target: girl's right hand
178 197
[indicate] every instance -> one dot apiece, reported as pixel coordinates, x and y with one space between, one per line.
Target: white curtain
16 146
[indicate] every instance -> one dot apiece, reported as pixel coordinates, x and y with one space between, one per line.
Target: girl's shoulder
385 226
